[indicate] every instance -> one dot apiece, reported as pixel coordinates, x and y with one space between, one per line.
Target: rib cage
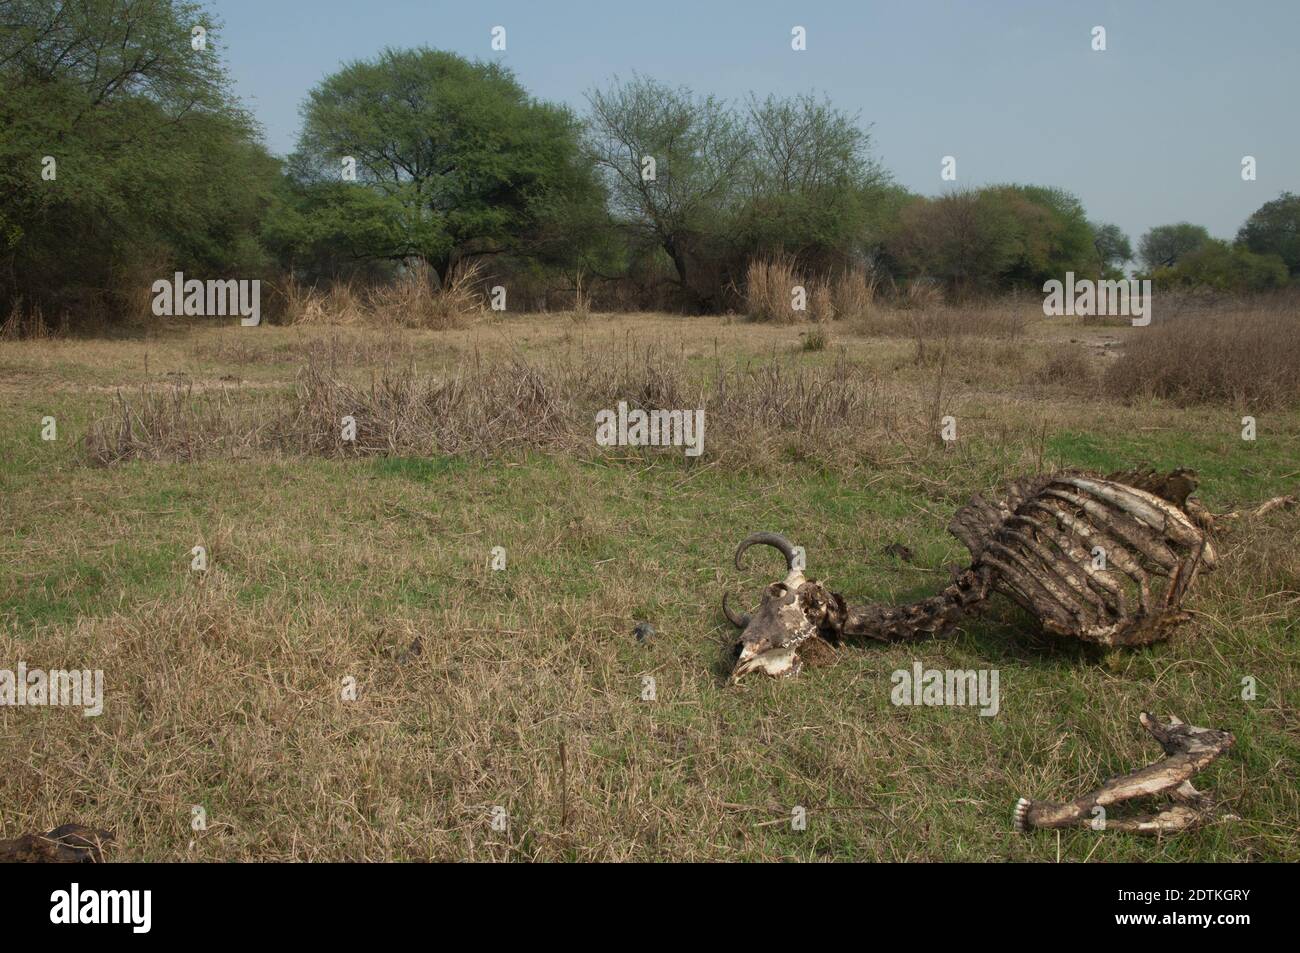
1105 559
1102 559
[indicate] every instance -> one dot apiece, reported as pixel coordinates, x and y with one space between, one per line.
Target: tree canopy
452 159
122 149
1274 229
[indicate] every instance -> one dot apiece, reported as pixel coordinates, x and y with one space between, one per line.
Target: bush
1243 358
1224 267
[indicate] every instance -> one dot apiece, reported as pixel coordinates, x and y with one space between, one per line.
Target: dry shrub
477 409
491 408
1068 369
179 423
821 302
818 403
418 300
925 295
770 284
1243 357
340 303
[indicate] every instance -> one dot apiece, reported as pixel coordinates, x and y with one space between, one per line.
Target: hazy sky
1150 131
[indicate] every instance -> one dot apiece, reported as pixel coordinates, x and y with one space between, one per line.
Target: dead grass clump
25 324
415 300
179 423
821 303
478 409
419 300
769 289
1066 369
339 303
495 407
770 285
923 295
1245 358
815 402
852 293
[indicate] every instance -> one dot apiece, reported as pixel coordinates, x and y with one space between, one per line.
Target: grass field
523 688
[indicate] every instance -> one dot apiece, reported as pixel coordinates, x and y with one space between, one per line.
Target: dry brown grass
25 324
853 292
1248 358
1068 369
770 282
769 285
498 405
414 300
979 335
338 303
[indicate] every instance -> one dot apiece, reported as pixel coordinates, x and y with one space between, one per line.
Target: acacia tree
452 159
1164 245
672 162
1112 246
811 184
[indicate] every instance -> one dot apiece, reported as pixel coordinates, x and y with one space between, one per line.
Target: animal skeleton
1107 560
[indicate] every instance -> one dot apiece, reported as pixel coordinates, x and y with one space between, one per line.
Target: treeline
124 157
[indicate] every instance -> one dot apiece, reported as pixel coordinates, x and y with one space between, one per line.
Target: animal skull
797 618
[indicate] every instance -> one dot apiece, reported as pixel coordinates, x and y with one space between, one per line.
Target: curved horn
775 540
740 622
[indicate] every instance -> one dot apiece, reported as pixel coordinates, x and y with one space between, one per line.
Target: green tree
1051 234
1003 236
154 165
1112 245
966 239
811 185
457 158
1164 245
673 164
1274 228
1223 267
